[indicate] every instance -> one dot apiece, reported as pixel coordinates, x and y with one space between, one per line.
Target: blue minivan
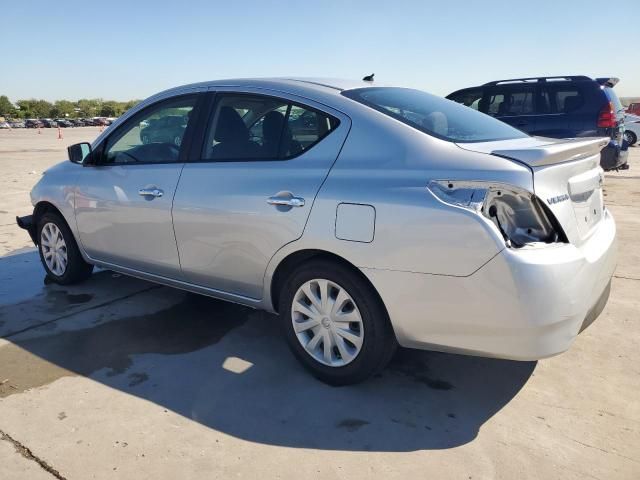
557 107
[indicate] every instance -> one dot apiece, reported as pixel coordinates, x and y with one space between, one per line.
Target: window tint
560 99
254 127
510 102
155 135
433 115
469 98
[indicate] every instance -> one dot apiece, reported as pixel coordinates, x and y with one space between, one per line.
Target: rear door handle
150 192
286 201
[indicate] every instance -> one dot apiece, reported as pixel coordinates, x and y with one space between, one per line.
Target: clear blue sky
120 50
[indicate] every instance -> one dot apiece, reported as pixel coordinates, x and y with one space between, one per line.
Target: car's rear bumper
524 304
614 156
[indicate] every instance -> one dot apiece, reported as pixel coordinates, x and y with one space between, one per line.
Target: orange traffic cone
59 133
39 130
101 127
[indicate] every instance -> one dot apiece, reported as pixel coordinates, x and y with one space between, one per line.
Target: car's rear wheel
335 323
59 251
177 140
630 137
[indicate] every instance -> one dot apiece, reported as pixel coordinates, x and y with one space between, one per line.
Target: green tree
111 109
63 108
7 108
89 107
35 108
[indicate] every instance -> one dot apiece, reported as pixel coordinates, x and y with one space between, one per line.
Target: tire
630 137
52 250
374 333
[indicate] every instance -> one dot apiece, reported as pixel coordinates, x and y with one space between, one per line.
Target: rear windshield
434 115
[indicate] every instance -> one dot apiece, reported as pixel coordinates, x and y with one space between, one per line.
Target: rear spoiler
557 152
608 82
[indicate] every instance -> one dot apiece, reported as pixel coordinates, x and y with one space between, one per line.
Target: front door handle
150 192
286 201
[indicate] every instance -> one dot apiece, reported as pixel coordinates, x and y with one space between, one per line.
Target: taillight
607 117
517 214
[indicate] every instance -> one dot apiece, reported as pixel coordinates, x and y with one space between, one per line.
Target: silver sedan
366 216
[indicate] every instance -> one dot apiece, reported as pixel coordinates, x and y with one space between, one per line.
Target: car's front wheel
59 251
630 137
335 323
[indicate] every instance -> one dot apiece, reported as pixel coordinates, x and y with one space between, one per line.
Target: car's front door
123 201
251 188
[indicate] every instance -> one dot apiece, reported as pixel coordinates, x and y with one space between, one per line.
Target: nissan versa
366 216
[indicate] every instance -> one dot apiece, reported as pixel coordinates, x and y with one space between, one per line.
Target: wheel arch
299 257
45 206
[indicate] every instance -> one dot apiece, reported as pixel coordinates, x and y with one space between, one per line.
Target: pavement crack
626 278
93 307
28 454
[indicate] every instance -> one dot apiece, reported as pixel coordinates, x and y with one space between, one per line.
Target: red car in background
633 109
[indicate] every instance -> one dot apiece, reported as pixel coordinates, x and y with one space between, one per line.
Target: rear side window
257 127
560 99
433 115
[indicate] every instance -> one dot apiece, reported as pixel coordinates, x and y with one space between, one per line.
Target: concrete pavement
120 378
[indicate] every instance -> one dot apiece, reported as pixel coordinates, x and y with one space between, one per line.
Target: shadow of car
225 366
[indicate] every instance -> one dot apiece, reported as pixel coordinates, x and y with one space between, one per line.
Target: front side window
257 127
154 135
433 115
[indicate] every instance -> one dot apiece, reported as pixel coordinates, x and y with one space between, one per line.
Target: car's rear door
123 201
562 110
242 197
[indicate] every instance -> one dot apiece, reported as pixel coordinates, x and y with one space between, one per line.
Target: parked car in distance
387 215
632 129
33 123
49 123
64 123
556 107
633 109
5 125
167 129
17 124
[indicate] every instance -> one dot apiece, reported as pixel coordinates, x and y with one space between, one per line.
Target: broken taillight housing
518 215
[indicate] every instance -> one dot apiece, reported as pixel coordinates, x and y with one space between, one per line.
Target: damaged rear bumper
524 304
28 224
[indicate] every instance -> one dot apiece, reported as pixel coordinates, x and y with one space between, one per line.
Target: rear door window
257 127
510 100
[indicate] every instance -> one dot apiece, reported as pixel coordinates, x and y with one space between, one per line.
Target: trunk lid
567 177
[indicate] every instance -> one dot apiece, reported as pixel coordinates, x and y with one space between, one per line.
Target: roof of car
300 86
315 83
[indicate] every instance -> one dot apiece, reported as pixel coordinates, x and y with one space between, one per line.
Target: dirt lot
119 378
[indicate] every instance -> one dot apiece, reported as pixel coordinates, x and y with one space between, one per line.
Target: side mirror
79 152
